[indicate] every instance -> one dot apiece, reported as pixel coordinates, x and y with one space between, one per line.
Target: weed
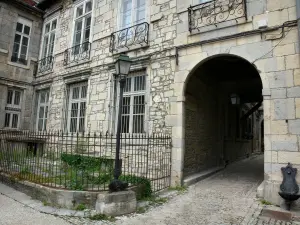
155 201
180 189
80 207
140 210
102 217
264 202
45 203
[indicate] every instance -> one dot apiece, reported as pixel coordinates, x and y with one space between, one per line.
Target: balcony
77 54
131 37
216 13
45 65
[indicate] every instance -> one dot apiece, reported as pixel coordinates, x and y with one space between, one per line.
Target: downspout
298 20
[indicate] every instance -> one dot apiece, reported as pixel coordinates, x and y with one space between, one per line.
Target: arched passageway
217 131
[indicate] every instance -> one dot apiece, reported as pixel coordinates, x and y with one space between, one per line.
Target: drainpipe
298 20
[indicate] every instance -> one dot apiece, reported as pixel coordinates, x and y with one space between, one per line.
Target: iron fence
136 35
215 12
45 64
77 53
85 161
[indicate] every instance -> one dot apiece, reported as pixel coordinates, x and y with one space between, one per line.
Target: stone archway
215 132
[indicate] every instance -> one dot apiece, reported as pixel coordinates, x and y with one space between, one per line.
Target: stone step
194 178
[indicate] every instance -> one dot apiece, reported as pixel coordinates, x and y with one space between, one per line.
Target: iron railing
45 64
85 161
77 53
130 37
215 12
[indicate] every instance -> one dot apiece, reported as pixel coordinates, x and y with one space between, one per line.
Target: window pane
45 124
127 85
51 46
73 125
14 123
83 91
126 105
78 28
40 125
139 83
7 120
53 24
25 41
46 112
17 38
138 124
41 112
19 27
82 109
88 6
9 97
79 11
74 109
75 93
139 105
26 30
125 124
87 29
47 28
17 98
126 13
43 97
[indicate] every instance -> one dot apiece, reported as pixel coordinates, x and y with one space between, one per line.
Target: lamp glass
235 99
123 64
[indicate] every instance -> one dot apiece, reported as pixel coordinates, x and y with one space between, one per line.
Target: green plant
180 189
264 202
102 217
45 203
156 201
80 207
25 170
141 210
143 183
81 145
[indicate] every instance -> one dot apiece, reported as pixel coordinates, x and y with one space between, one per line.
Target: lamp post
122 65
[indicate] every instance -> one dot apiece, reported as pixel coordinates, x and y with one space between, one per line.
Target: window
49 38
12 109
133 105
42 110
132 12
201 1
21 41
82 27
77 107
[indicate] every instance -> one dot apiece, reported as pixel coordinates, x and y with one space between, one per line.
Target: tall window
133 108
49 38
42 110
82 29
12 109
21 41
132 12
77 107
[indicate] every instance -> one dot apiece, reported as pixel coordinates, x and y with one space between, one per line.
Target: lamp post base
117 185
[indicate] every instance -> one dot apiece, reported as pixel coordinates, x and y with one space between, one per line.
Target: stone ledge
200 176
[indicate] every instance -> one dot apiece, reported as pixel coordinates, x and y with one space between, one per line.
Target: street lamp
122 65
235 99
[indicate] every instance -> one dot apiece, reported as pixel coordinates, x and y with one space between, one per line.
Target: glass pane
87 29
43 97
46 112
127 87
82 109
138 124
40 125
14 123
139 105
81 125
75 93
83 91
74 109
78 28
25 41
19 27
139 83
51 46
47 28
7 120
26 30
9 97
79 11
125 124
17 98
45 47
140 16
41 112
88 6
126 105
126 13
53 24
17 38
45 124
73 125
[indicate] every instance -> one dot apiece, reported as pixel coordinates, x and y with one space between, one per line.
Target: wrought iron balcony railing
45 64
129 37
215 12
77 53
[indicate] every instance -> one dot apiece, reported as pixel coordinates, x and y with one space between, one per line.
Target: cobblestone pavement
228 197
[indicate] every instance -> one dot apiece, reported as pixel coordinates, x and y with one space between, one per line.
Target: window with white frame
21 41
42 110
133 105
201 1
82 26
13 109
132 12
77 107
49 38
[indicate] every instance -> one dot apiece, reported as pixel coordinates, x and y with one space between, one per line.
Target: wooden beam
251 111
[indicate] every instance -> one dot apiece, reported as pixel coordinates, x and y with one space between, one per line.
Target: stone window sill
43 74
123 50
26 67
78 63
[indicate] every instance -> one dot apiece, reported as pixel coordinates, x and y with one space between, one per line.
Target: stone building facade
189 58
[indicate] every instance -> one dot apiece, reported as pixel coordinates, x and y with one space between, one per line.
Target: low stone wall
112 204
